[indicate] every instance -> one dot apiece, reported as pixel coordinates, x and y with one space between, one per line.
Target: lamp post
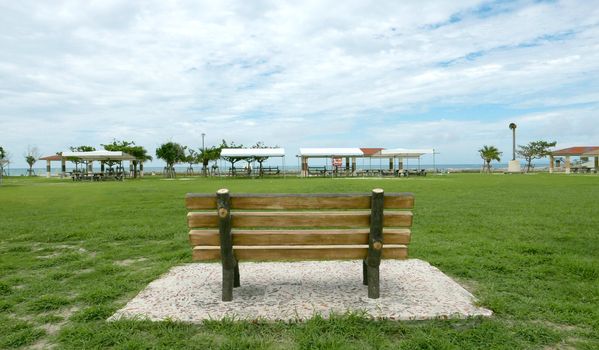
514 165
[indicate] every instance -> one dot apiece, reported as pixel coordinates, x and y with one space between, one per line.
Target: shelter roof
52 157
370 151
252 152
404 152
99 155
576 151
331 152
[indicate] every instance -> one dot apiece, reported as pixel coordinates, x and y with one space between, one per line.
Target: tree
489 154
261 160
535 150
171 153
232 160
141 155
129 147
207 155
76 160
191 158
3 161
31 157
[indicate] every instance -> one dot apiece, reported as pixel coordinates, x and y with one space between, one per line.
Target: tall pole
513 127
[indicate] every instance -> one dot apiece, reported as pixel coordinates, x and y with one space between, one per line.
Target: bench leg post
364 273
373 282
228 277
236 282
375 242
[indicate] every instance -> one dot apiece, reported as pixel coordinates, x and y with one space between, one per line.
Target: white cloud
307 73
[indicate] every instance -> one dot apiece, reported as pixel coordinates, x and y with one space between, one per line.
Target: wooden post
236 282
141 169
48 169
568 165
353 165
223 204
375 242
551 164
364 272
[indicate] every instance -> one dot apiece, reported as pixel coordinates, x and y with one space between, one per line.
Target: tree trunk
135 169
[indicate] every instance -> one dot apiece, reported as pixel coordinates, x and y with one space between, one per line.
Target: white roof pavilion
99 155
252 152
331 152
404 152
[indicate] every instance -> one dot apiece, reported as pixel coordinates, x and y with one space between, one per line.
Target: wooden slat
200 201
316 252
397 219
300 219
399 201
298 237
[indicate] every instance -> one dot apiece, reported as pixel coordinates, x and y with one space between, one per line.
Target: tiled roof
575 151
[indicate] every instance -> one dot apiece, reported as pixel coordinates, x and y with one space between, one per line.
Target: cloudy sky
449 75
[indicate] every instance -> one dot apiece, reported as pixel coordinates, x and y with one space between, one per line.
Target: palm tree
489 154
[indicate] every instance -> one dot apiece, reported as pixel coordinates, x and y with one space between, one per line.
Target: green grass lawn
527 246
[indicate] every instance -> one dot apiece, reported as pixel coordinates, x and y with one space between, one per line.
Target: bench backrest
300 226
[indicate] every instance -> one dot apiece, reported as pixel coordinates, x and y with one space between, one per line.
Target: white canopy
331 152
252 152
403 152
99 155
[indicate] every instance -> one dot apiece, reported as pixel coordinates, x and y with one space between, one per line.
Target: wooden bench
317 170
269 171
233 227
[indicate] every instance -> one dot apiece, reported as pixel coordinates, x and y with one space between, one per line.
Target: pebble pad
410 290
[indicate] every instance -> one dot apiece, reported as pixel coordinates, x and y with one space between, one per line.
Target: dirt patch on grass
127 262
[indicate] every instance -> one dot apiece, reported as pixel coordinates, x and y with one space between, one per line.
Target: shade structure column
596 164
63 167
304 166
568 165
48 169
141 169
353 165
551 164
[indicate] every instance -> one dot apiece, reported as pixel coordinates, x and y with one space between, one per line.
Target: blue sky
449 75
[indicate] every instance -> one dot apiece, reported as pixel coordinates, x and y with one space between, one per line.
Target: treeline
171 153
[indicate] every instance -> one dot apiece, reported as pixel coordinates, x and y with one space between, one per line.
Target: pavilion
365 153
579 151
90 157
